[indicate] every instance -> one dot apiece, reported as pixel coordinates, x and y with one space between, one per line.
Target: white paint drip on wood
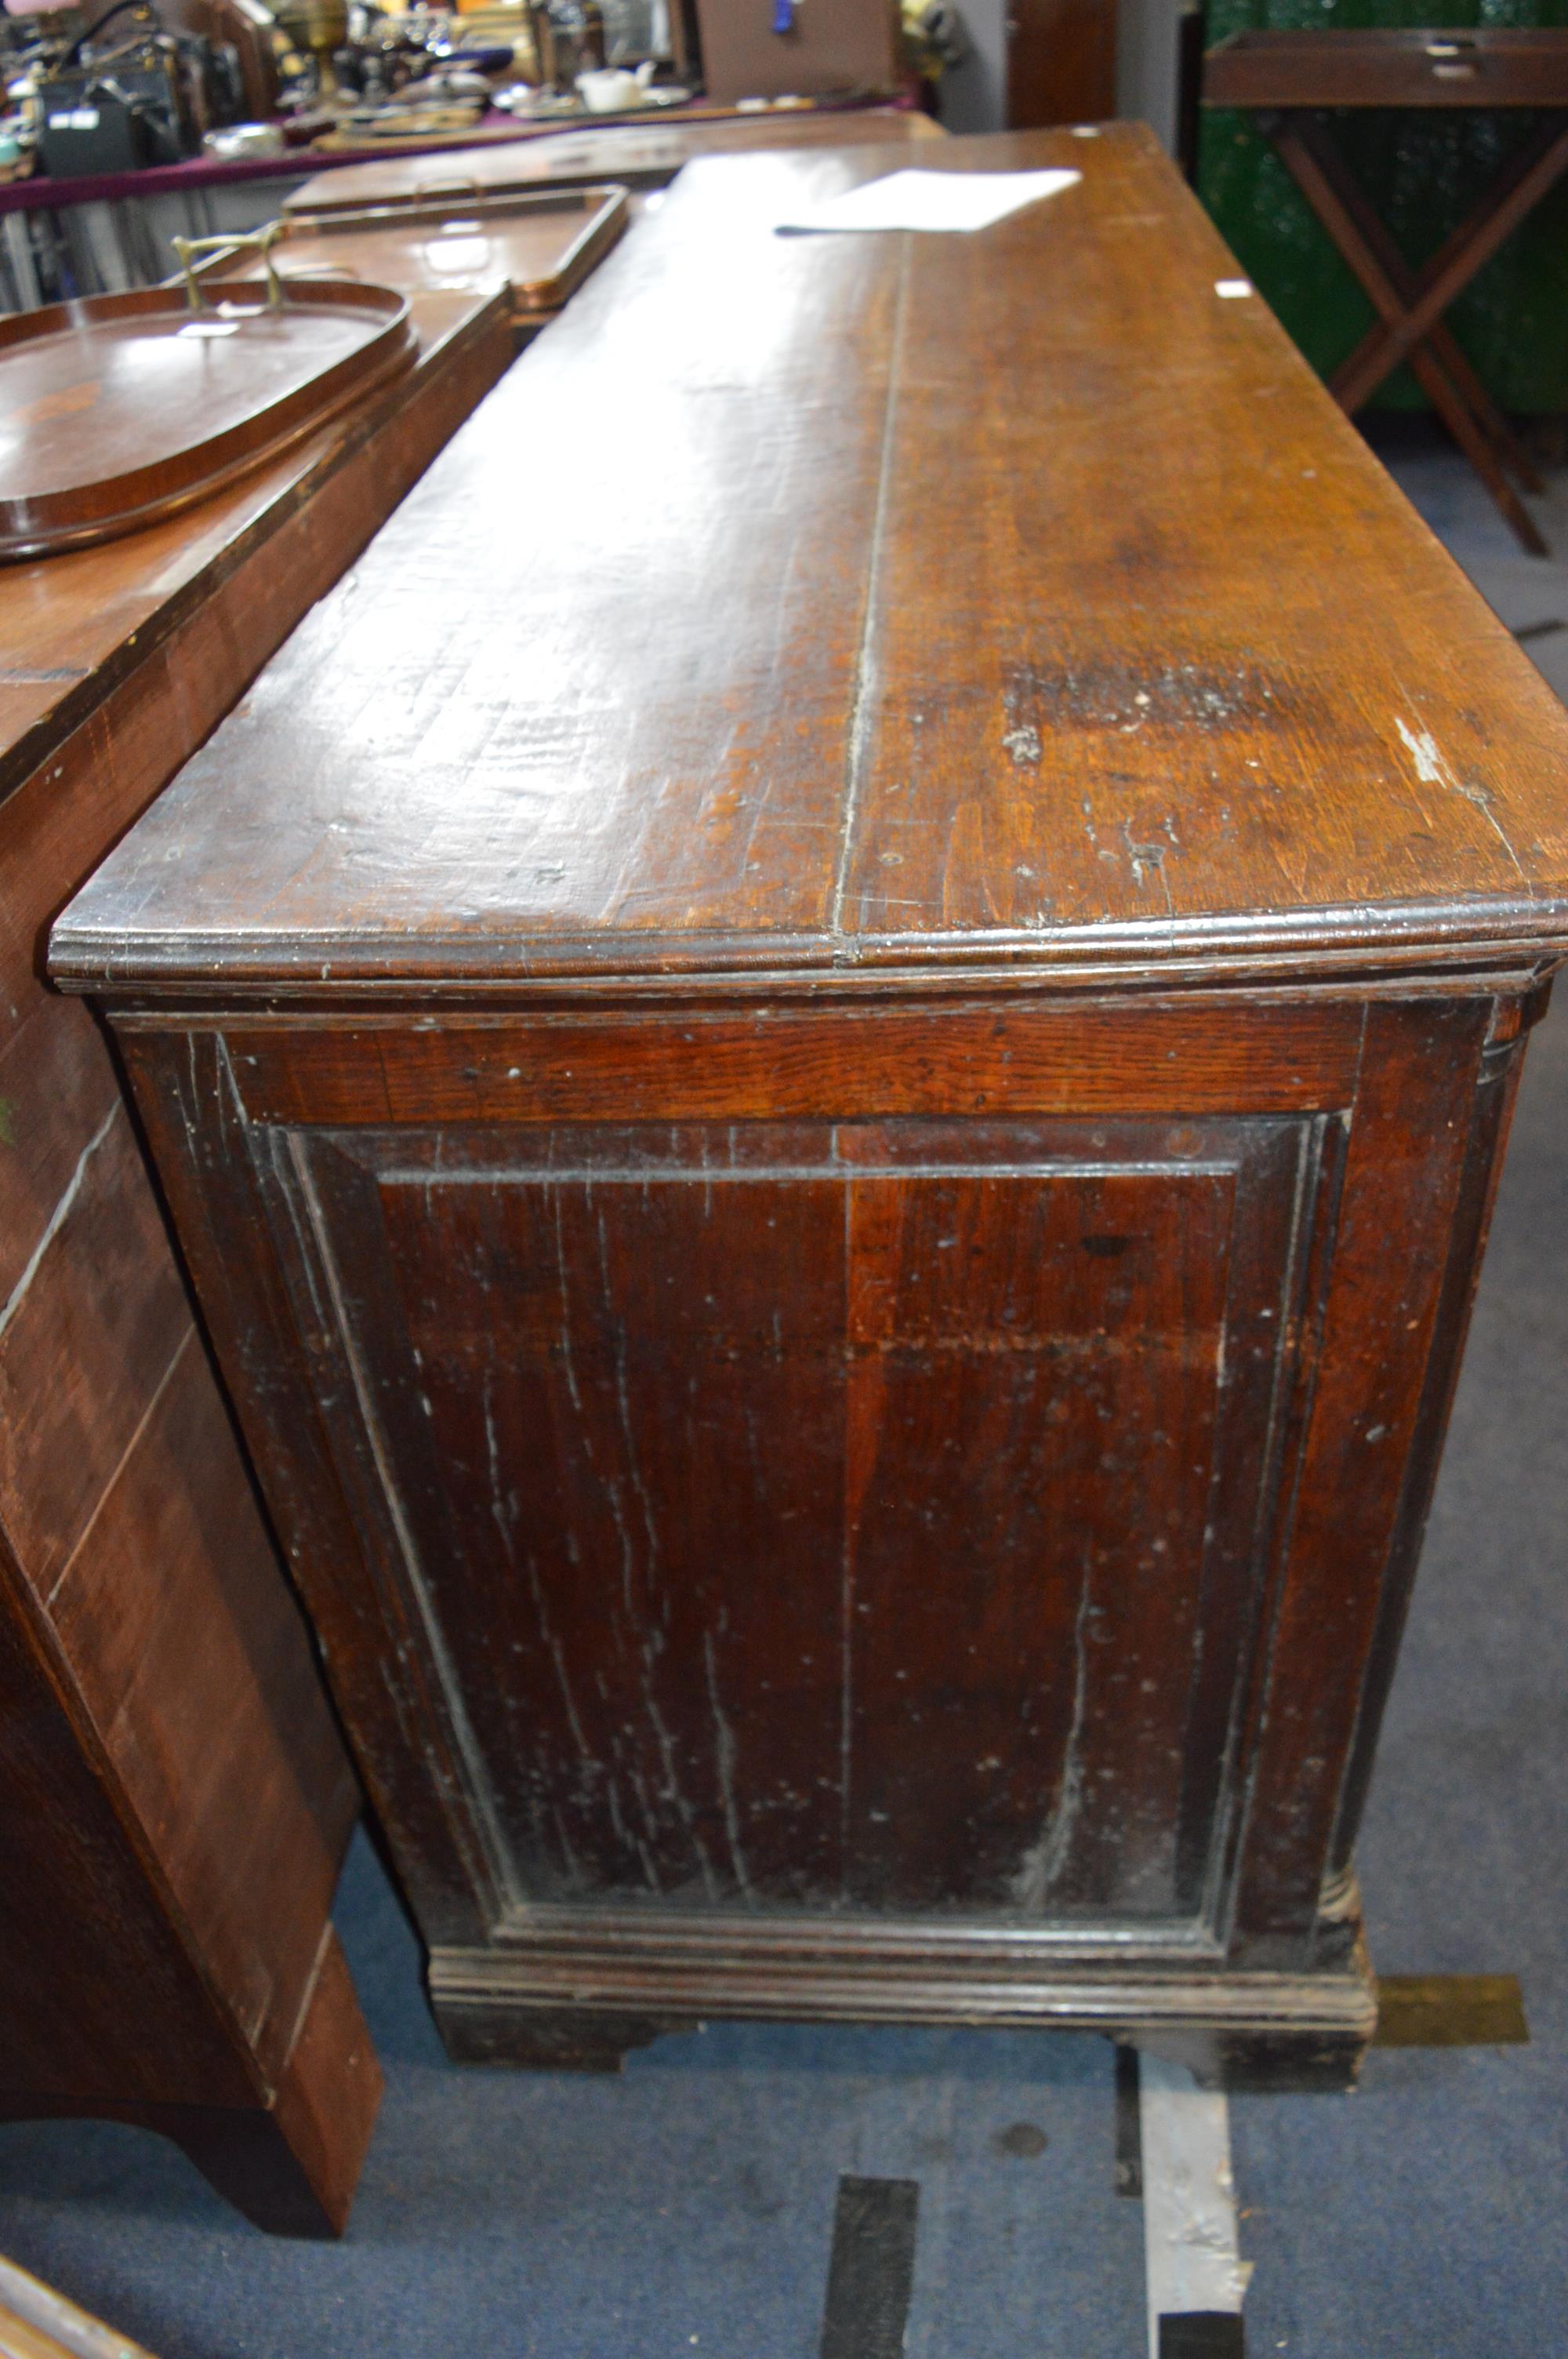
1191 2257
1433 768
1044 1860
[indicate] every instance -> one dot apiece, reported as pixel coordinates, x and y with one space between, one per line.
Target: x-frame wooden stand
1294 83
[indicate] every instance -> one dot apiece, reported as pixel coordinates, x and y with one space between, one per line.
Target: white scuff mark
673 1790
568 1365
1233 290
503 1513
57 1219
1023 745
1433 768
1148 859
1044 1860
868 668
725 1755
1192 2261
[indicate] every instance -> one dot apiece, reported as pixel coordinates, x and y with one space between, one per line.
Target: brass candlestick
319 27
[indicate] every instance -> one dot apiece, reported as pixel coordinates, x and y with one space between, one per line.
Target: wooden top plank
883 601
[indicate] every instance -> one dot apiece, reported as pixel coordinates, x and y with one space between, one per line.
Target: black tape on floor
1128 2127
1202 2334
872 2272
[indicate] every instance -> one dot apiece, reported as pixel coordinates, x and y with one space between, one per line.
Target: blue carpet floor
685 2210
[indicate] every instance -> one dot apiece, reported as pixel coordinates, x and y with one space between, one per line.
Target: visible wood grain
540 246
837 1172
126 408
530 1451
89 1340
1050 700
78 624
143 2032
56 1090
1154 1057
203 1686
1411 1130
406 1741
176 1791
327 2096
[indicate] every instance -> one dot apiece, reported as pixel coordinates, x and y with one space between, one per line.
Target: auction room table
175 1799
832 1072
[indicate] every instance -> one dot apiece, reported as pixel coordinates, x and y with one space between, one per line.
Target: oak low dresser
832 1074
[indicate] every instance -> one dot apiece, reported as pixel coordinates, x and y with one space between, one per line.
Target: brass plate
1450 2011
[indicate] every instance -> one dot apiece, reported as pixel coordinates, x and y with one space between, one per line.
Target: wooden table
174 1797
836 1137
635 156
1295 81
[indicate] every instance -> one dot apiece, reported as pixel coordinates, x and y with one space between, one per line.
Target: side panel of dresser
1406 1093
167 1661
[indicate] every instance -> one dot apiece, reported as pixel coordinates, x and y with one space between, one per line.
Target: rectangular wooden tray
631 155
542 245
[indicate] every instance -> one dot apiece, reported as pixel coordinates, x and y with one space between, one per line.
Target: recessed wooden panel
718 1459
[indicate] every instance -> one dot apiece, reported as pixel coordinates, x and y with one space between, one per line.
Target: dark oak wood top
1390 65
886 601
74 624
638 155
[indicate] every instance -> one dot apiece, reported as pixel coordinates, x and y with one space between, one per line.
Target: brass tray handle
187 248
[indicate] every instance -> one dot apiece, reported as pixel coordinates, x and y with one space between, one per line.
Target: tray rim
391 212
605 220
627 171
44 523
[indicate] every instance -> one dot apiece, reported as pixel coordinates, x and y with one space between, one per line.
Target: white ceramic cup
610 90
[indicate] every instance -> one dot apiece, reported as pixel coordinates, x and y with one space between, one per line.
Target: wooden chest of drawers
832 1077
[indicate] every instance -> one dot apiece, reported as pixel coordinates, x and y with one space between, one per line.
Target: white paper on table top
915 199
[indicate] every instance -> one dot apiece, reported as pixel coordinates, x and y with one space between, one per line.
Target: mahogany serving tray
544 245
117 410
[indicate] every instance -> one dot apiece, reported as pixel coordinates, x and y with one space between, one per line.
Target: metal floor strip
1195 2275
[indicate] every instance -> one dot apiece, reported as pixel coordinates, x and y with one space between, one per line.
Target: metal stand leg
20 257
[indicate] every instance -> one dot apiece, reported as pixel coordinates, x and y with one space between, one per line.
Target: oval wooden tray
117 410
